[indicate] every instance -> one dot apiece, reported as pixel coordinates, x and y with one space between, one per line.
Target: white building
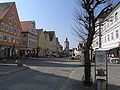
109 33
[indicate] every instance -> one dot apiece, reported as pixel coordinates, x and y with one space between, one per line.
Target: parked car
114 60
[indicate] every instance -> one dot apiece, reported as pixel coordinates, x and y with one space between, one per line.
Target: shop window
2 26
5 38
6 27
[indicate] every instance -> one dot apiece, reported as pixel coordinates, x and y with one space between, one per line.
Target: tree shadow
37 80
52 63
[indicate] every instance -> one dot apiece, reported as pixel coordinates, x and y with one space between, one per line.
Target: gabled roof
51 34
46 34
26 25
4 8
39 31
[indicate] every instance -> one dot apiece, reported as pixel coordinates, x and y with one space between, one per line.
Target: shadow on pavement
36 80
52 63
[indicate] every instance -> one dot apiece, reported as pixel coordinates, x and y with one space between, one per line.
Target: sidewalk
10 68
74 81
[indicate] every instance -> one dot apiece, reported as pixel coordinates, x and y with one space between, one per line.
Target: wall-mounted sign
100 57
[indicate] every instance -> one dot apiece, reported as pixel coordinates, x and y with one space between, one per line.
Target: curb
12 72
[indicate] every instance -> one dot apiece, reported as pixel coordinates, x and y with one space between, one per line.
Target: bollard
101 84
19 63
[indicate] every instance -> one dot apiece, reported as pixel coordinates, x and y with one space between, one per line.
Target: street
54 74
42 75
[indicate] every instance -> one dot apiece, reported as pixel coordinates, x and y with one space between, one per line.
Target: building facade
30 38
41 42
10 30
109 33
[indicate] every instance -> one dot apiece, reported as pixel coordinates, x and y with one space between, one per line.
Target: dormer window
116 16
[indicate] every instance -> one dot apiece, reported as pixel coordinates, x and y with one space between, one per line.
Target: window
10 21
11 29
17 40
24 35
116 16
14 31
6 27
111 21
1 37
105 38
5 38
24 42
117 35
104 25
9 38
112 36
108 37
14 40
15 23
97 43
2 26
13 15
18 31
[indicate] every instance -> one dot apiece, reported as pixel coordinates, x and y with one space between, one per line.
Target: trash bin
101 84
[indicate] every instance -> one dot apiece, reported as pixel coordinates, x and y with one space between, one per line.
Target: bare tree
86 16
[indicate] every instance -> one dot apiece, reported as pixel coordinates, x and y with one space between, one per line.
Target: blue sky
54 15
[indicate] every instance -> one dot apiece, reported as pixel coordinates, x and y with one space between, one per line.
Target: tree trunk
87 69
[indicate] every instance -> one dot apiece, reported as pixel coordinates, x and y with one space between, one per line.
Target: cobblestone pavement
54 74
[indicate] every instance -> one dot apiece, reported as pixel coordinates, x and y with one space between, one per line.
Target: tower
66 47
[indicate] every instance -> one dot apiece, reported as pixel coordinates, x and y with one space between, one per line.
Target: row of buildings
21 38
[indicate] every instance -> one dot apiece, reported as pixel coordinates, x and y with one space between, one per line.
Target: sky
50 15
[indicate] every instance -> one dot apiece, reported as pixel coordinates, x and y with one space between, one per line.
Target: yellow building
41 42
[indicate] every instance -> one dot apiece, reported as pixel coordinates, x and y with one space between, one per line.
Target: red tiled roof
26 25
4 8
